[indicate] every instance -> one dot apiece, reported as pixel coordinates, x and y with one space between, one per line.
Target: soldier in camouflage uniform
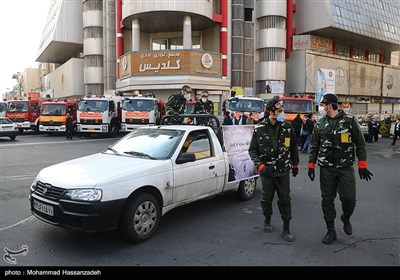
177 102
336 139
274 152
203 106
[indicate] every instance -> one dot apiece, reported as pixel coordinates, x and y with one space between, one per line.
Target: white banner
237 141
325 80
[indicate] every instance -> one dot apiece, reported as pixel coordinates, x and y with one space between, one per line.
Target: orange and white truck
99 114
139 111
252 107
25 112
53 115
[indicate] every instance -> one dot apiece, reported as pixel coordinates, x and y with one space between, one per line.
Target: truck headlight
104 128
84 195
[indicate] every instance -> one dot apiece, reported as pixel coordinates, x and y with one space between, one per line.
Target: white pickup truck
141 177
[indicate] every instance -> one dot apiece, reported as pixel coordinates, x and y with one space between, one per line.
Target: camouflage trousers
282 187
337 180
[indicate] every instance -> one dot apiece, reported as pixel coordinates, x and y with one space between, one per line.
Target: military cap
329 98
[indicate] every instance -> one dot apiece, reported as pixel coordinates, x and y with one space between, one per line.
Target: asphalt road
215 232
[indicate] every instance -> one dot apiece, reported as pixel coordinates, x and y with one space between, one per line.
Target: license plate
91 128
46 209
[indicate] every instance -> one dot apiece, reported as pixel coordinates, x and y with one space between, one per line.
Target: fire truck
53 115
139 111
294 106
24 112
99 114
3 108
247 105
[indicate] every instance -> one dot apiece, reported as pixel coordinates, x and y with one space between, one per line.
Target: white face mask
321 110
204 100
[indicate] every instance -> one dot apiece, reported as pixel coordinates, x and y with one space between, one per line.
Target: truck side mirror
185 157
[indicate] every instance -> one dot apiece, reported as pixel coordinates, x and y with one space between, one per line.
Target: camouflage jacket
262 151
176 103
204 108
334 141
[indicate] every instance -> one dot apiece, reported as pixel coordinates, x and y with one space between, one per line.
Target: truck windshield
18 106
93 105
246 105
149 143
298 106
144 105
53 110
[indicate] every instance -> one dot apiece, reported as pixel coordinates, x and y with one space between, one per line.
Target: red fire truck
25 112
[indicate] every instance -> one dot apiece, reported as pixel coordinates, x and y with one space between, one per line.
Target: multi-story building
227 45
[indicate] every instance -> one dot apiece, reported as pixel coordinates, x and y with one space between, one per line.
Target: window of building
248 14
93 32
173 43
272 22
93 61
338 12
272 54
90 5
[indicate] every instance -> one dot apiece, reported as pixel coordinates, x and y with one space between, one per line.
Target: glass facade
375 19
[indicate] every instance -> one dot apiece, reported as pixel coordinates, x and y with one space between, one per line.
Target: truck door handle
211 167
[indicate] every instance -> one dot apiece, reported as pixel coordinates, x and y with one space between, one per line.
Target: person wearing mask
274 152
69 126
204 105
308 127
177 101
336 139
396 131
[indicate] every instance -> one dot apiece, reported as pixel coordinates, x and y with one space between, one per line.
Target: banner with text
237 141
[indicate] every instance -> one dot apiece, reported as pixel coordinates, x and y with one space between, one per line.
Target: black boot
286 235
347 228
331 234
267 224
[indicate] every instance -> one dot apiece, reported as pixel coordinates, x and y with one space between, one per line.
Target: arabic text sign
237 141
171 62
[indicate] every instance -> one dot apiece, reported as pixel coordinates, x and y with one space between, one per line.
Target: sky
21 26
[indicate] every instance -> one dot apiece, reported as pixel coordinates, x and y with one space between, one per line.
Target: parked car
129 186
8 128
364 129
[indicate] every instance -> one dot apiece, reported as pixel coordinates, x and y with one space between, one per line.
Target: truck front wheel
141 217
246 189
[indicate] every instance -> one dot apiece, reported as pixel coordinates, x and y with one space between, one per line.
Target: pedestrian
250 120
337 137
242 118
227 119
377 127
69 126
274 152
308 128
177 101
396 131
297 123
370 130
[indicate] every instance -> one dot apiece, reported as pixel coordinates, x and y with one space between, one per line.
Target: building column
136 35
187 32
